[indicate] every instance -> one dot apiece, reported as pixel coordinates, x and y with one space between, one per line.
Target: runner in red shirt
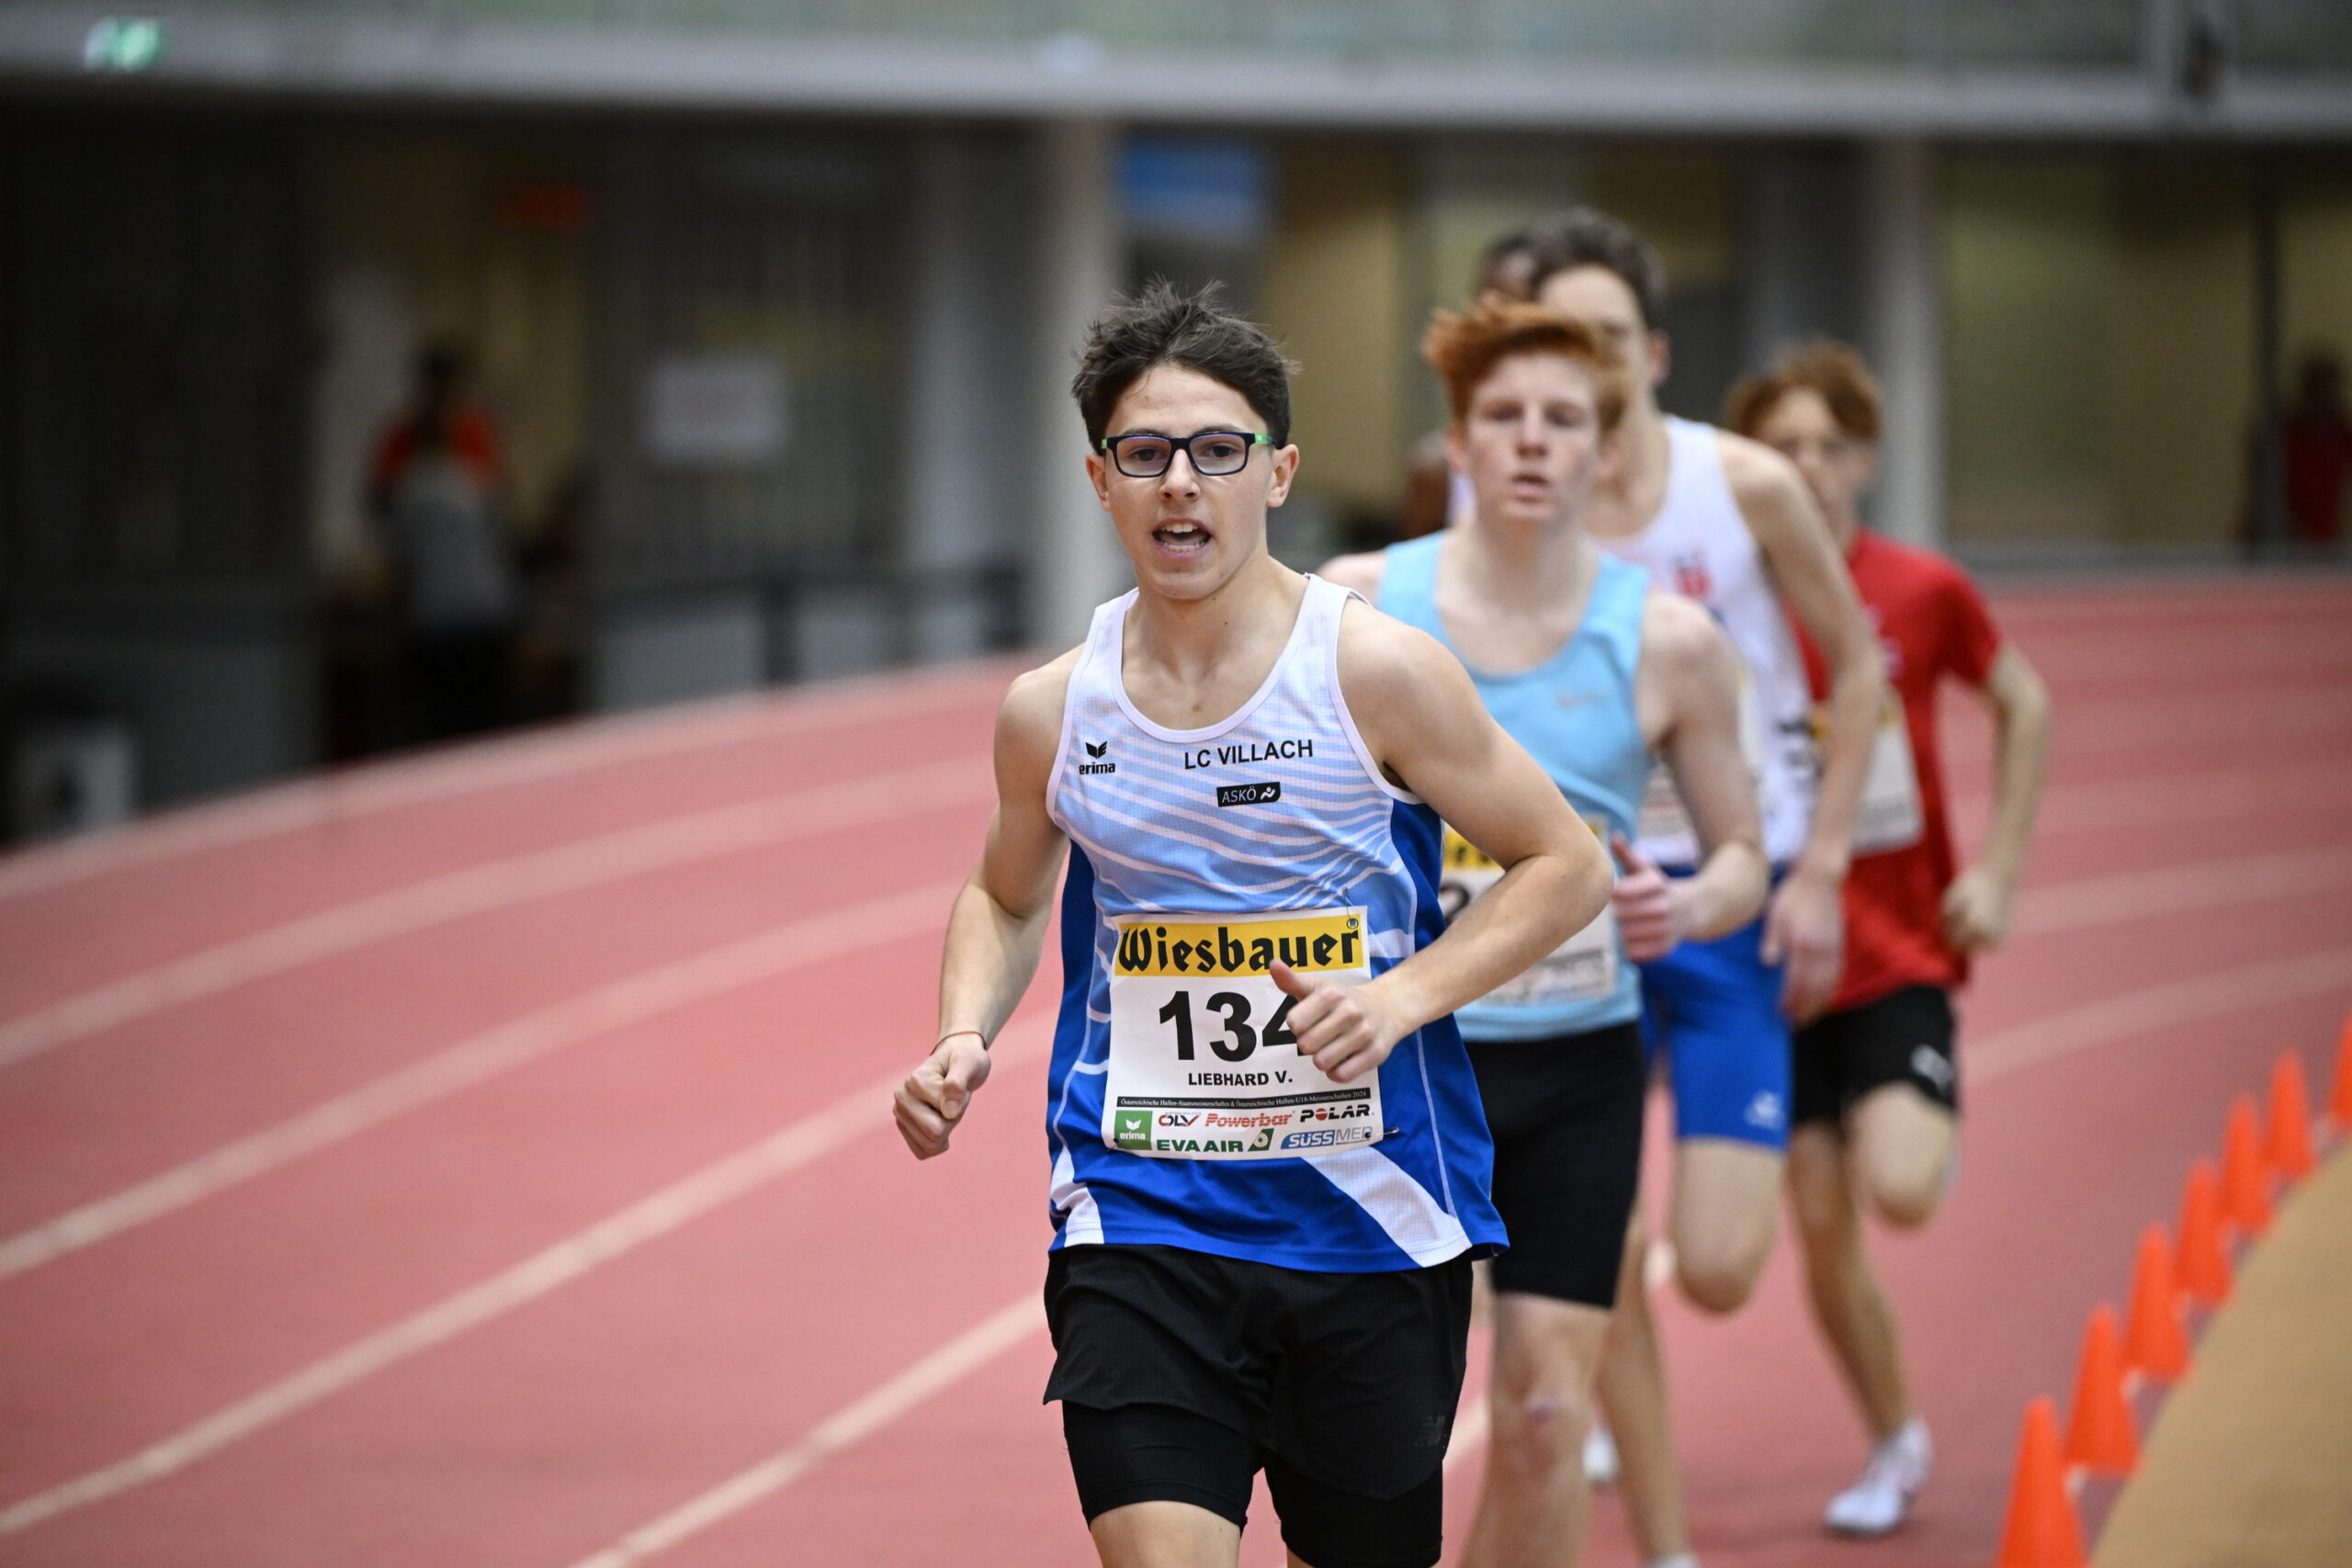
1875 1087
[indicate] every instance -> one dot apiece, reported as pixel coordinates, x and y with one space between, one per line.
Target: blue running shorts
1713 1009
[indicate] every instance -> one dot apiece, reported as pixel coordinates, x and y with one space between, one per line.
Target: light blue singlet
1575 713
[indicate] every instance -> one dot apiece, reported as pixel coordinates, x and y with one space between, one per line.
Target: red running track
483 1159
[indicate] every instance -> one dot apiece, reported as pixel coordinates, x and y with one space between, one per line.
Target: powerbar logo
1307 943
1249 794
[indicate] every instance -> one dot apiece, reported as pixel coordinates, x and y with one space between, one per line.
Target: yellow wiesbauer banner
1323 941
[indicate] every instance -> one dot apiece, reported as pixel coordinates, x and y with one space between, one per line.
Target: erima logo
1929 1065
1131 1128
1097 751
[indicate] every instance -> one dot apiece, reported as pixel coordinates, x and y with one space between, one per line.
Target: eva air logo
1131 1128
1096 751
1265 1139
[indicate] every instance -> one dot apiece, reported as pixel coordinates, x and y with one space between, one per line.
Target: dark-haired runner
1270 1169
1729 522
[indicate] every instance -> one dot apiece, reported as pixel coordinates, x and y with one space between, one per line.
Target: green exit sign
123 43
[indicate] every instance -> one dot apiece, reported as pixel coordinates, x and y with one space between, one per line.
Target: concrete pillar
1075 560
955 469
1904 340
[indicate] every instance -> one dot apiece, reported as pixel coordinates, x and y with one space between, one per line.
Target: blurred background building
765 309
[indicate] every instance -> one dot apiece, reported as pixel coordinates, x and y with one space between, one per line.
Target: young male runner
1270 1170
1729 522
1593 670
1877 1089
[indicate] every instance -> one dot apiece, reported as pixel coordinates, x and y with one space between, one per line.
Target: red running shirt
1931 623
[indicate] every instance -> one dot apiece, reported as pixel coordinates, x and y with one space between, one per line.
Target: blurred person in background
1591 666
2315 445
1729 523
433 492
1436 494
1877 1085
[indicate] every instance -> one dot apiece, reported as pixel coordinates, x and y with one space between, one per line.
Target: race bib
1663 827
1889 816
1202 1062
1582 969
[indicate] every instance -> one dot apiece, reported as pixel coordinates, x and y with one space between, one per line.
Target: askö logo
1098 752
1250 793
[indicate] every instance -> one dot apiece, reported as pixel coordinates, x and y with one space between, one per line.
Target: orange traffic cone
2246 1182
2154 1343
2339 1102
2204 1262
2040 1530
2290 1120
2099 1436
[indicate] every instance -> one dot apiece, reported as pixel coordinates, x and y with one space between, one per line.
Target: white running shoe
1877 1502
1600 1455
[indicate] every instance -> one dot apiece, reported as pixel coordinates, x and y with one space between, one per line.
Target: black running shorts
1904 1036
1143 1453
1342 1387
1566 1114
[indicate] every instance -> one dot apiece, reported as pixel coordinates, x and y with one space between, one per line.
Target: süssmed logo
1307 944
1098 752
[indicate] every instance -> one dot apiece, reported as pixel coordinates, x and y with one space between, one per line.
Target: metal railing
1891 32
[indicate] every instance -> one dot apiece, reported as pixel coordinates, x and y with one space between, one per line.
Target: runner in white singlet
1729 523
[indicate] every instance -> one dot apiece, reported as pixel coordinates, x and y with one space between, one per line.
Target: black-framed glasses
1213 453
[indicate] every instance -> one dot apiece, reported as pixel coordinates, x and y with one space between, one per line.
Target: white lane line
478 767
2160 723
851 1423
2084 1028
617 1235
2170 890
2138 1012
817 939
2154 800
2066 906
496 885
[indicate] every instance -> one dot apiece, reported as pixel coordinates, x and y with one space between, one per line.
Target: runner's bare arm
1977 904
1803 923
1687 688
997 928
1360 572
1422 722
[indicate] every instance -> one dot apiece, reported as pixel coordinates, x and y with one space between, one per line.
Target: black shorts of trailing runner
1566 1114
1905 1037
1348 1380
1147 1454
